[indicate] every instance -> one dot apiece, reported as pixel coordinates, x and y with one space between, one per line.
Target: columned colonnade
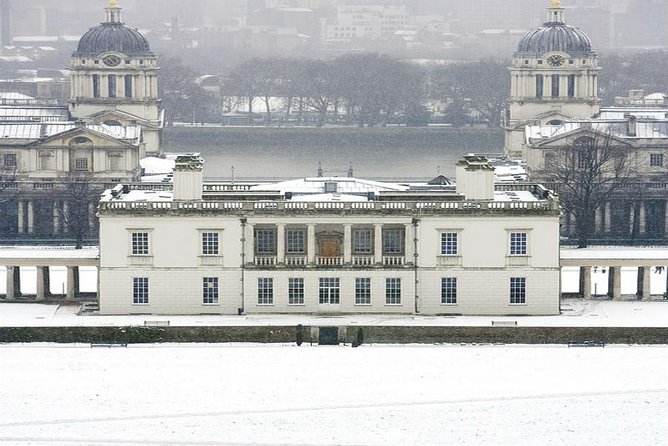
43 258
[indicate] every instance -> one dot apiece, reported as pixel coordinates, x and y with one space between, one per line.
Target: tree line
370 89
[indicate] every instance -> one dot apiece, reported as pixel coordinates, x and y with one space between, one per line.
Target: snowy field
222 394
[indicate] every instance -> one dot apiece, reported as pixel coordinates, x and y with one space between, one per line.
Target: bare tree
8 186
587 174
80 195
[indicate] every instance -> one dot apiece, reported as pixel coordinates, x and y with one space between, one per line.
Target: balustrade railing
362 260
393 260
328 261
265 261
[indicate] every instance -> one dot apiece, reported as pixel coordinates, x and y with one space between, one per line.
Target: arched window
81 141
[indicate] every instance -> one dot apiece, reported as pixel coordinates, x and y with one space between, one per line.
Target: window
112 85
210 290
295 239
449 244
330 292
265 291
128 85
81 164
296 291
571 86
393 241
518 243
539 85
518 290
9 159
210 243
96 85
393 291
140 243
265 241
363 291
140 290
362 241
555 85
655 159
449 290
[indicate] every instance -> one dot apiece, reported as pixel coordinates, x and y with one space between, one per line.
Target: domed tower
553 77
114 78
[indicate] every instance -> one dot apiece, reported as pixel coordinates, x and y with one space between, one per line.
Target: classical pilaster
347 244
642 219
378 243
310 244
409 244
280 244
21 217
31 217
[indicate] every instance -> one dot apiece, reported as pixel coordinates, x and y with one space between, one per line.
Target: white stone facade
425 250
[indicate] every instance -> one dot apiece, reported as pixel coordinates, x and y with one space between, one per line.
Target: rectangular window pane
140 290
393 291
210 290
656 159
295 239
539 85
449 290
362 241
555 85
518 243
265 291
517 290
329 292
81 164
296 291
112 85
140 243
363 291
265 241
449 243
392 241
128 85
210 243
10 160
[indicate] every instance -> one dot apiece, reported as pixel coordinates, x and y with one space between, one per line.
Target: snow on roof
156 166
647 130
38 131
344 185
520 195
615 252
48 252
330 197
13 95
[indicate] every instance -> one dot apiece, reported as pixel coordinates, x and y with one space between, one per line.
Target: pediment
568 138
118 116
81 137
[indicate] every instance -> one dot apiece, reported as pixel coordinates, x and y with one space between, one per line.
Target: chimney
475 178
188 177
631 126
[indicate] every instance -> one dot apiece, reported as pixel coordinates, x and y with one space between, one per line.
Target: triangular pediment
83 137
121 117
568 138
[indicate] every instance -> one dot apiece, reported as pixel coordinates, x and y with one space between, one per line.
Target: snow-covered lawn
381 395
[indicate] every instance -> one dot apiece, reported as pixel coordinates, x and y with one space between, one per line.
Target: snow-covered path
204 394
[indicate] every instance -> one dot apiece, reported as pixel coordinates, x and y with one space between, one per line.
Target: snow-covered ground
221 394
575 313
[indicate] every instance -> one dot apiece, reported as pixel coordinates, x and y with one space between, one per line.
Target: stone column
249 244
347 244
607 217
310 244
72 282
21 217
615 282
378 244
56 218
408 243
280 244
11 284
31 217
586 281
40 293
644 277
642 220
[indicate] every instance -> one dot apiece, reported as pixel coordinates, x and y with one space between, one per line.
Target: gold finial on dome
114 4
555 4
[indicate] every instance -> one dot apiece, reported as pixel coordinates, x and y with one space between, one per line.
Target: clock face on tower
556 60
111 60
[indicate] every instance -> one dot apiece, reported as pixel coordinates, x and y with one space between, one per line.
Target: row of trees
367 89
373 89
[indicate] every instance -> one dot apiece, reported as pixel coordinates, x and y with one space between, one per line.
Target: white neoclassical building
330 245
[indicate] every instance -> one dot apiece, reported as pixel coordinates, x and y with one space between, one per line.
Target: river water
376 153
